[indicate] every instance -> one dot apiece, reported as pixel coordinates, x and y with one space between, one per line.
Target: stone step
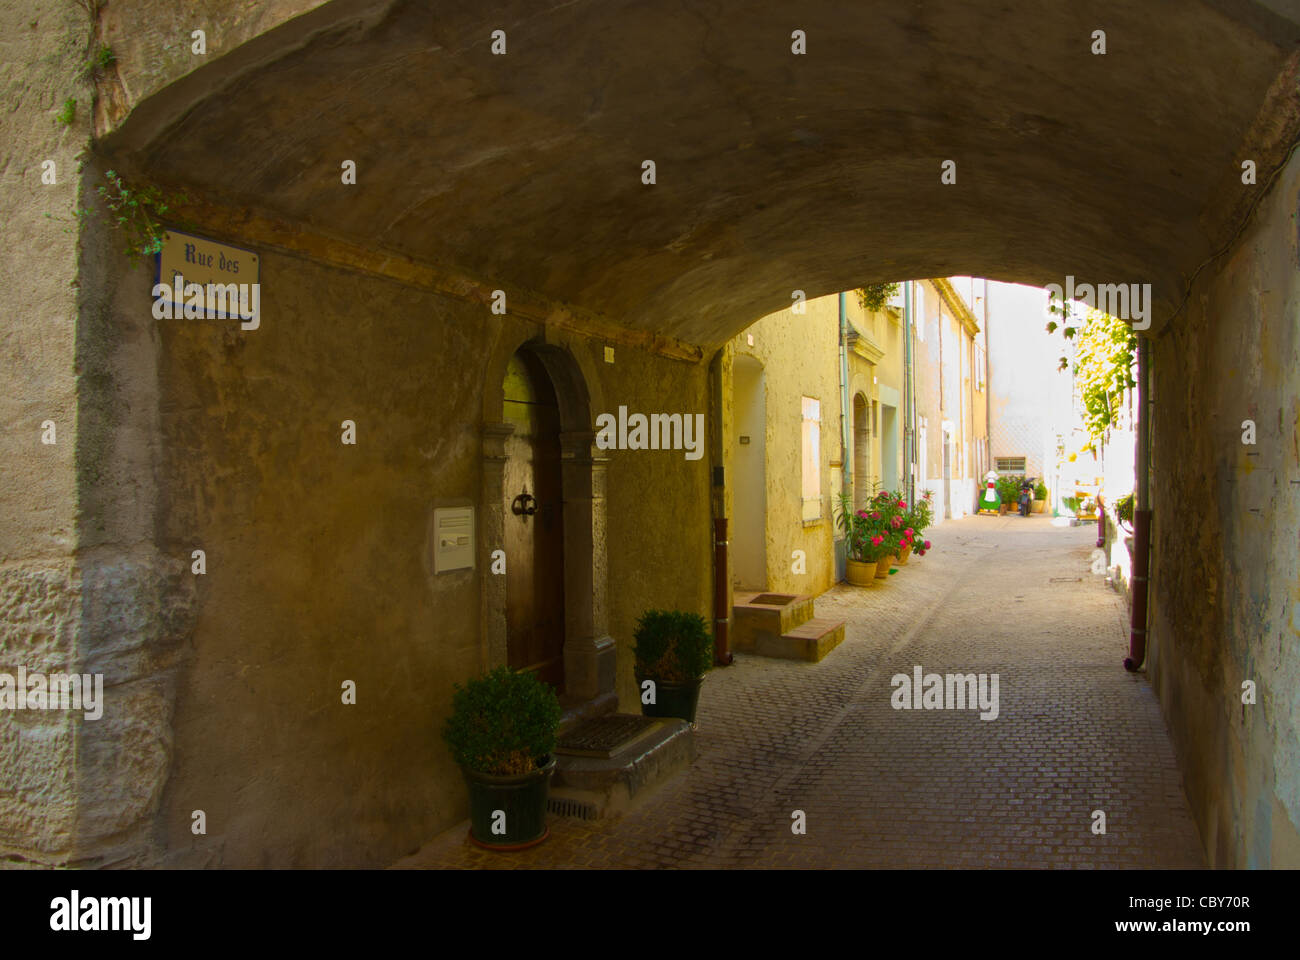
760 619
590 787
810 641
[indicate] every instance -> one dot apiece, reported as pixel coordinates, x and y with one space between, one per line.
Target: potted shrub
860 564
1040 497
1124 511
502 733
674 650
1009 491
885 531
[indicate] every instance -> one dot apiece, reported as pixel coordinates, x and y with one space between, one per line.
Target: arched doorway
862 484
534 521
538 440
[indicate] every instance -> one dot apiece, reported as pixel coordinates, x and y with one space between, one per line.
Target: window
812 459
1010 465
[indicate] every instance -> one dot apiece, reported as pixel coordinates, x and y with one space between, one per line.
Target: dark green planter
672 699
523 798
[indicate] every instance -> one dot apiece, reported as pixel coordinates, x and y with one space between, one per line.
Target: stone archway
589 652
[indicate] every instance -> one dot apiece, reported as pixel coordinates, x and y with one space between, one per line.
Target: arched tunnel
622 188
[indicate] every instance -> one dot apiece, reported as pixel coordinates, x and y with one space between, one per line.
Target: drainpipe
909 406
1137 644
988 397
845 468
721 594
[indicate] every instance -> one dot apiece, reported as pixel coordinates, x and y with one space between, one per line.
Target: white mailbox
453 543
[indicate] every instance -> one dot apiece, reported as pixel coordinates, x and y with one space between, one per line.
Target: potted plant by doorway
860 564
502 733
1040 497
673 652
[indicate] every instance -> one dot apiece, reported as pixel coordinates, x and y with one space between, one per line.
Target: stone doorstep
594 787
753 622
809 641
574 713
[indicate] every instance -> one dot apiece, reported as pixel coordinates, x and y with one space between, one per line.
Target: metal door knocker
524 505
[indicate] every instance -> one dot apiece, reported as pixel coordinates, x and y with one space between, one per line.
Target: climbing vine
1104 354
135 211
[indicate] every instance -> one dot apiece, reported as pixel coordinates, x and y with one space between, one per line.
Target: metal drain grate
603 736
568 807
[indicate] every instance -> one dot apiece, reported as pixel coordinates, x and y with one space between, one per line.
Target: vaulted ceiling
774 171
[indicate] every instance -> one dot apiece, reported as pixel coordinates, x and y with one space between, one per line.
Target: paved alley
882 787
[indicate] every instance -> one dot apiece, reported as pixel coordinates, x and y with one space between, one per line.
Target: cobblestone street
922 788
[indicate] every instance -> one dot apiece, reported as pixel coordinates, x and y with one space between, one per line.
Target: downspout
1137 644
845 469
721 580
909 404
988 397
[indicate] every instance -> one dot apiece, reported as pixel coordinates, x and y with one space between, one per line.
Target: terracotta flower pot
882 567
860 574
903 554
1038 506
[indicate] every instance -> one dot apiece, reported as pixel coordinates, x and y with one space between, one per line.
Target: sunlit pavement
1074 735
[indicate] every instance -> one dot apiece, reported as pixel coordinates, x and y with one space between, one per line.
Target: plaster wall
1226 591
877 379
944 391
1026 386
319 564
800 358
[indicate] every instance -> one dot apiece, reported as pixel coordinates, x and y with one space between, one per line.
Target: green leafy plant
877 531
136 212
1009 488
859 529
503 723
1105 352
100 61
672 646
916 519
69 112
1124 509
874 296
1040 491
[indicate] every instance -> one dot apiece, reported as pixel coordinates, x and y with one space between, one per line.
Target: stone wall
45 47
1226 603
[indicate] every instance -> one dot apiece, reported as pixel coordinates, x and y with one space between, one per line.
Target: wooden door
534 540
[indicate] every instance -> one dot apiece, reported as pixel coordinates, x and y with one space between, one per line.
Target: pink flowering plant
870 532
917 519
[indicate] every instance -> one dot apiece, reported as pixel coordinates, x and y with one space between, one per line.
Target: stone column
492 531
589 654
